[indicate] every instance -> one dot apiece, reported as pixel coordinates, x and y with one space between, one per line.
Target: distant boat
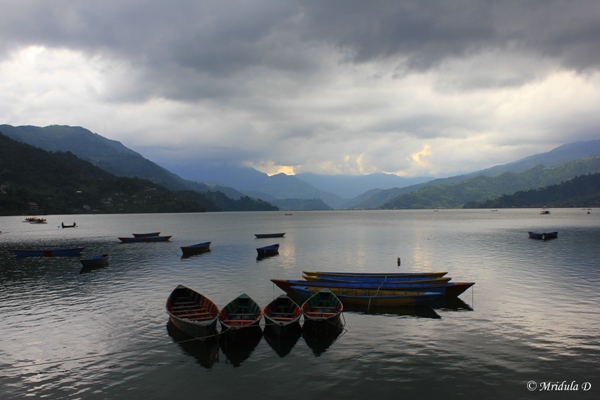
543 236
75 251
268 250
149 234
192 312
62 225
239 315
97 261
195 249
545 212
145 239
282 314
268 235
323 307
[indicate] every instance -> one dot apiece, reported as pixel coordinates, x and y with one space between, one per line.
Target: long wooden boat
268 250
322 306
97 261
282 314
382 276
374 280
149 234
195 249
374 297
241 312
268 235
192 312
145 239
448 289
75 251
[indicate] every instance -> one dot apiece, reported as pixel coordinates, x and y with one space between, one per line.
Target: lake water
531 320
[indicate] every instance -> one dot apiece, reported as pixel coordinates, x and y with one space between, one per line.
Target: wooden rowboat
195 249
98 261
75 251
448 289
322 306
268 250
383 276
374 297
268 235
242 312
282 314
192 312
144 239
149 234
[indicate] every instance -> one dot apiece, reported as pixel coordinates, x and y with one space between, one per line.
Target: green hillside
582 191
483 188
34 181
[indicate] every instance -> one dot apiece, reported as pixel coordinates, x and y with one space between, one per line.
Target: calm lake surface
531 320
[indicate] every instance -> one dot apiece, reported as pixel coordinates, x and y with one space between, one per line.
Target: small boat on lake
543 236
149 234
73 225
146 239
97 261
270 250
192 312
74 251
322 307
268 235
195 249
282 314
239 315
374 297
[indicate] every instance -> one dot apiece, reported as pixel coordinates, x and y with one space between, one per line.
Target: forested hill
582 191
483 188
34 181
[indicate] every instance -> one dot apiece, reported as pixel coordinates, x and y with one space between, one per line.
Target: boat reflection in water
411 311
204 350
320 336
237 348
283 343
451 304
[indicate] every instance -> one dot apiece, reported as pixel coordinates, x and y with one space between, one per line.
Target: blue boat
543 236
195 249
372 297
144 239
268 250
75 251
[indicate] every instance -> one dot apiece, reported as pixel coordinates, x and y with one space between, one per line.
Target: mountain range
228 184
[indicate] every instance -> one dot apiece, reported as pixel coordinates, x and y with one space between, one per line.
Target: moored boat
74 251
239 314
374 280
192 312
374 297
149 234
543 236
73 225
268 235
97 261
146 239
195 249
268 250
448 289
381 276
282 314
322 306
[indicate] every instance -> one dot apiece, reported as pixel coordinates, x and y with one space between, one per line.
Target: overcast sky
409 87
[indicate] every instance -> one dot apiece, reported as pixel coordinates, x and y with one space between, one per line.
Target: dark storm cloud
171 45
